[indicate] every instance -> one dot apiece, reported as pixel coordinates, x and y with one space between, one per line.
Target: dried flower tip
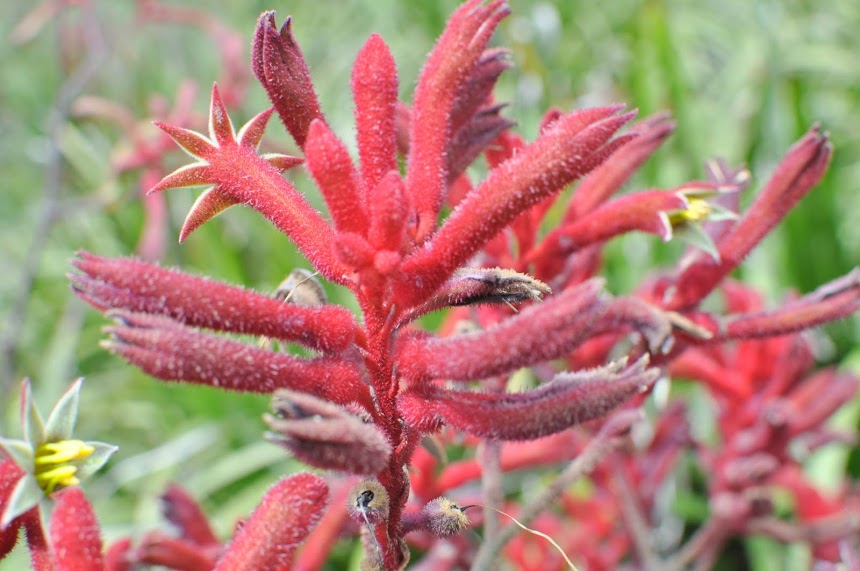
445 518
494 285
473 286
368 502
301 287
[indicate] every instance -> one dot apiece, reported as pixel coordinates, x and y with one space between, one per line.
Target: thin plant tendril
534 532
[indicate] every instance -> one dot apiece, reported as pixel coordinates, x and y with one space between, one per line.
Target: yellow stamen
53 463
63 476
52 453
697 210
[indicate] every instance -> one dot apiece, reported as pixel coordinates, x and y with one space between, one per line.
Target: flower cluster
410 231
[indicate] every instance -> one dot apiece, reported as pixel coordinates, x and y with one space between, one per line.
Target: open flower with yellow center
701 206
50 458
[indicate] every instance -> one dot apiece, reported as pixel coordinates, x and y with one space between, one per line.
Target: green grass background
744 80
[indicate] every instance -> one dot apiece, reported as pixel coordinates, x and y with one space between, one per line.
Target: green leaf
96 460
25 496
20 451
32 424
61 421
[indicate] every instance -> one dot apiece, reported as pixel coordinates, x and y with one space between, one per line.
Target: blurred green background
744 80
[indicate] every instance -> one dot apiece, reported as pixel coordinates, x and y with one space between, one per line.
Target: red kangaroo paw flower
325 435
388 212
471 140
568 150
477 89
800 170
516 342
166 350
284 518
125 283
569 399
331 166
374 90
181 510
281 69
242 176
609 177
831 301
448 66
156 548
75 536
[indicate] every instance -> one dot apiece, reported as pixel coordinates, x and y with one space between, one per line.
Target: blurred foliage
744 80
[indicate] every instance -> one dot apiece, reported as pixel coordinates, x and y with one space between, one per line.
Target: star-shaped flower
50 458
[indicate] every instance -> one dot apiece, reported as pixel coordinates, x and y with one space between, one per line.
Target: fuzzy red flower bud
569 399
164 349
125 283
374 89
516 342
329 162
284 518
280 67
325 435
75 536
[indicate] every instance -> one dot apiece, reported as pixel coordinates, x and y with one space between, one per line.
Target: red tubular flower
75 535
336 176
800 170
200 302
169 351
374 89
285 516
448 66
569 399
509 345
281 69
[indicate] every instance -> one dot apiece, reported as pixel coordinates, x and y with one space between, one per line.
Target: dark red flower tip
280 67
325 435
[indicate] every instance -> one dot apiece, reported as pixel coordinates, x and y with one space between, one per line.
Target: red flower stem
40 551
